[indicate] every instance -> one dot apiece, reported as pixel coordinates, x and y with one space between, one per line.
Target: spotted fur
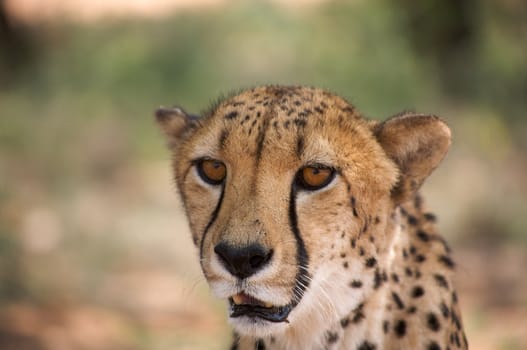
359 261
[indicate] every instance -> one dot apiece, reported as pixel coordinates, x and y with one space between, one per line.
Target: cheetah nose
244 261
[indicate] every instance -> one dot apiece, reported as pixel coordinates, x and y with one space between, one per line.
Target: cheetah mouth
245 305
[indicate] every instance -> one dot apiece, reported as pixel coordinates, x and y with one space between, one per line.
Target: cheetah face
287 192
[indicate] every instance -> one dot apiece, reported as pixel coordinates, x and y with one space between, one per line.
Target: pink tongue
247 299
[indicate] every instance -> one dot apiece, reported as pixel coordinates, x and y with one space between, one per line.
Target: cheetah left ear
175 123
416 143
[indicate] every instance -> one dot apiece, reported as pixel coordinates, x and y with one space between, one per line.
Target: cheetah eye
314 177
211 171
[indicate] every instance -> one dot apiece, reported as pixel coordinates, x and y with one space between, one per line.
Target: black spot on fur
361 251
444 310
433 346
344 322
420 258
231 115
395 277
353 206
353 243
300 123
366 345
259 345
400 328
412 310
332 337
377 279
358 314
397 300
408 272
345 264
417 292
418 202
348 109
447 261
423 236
433 322
371 262
303 114
441 281
456 319
299 146
223 137
456 339
430 217
355 284
260 139
235 341
412 220
385 326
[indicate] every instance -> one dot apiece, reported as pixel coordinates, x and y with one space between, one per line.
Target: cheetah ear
416 143
175 123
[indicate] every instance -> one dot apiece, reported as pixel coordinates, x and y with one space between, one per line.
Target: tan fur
379 277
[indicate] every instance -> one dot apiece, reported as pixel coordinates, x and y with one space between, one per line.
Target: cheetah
308 221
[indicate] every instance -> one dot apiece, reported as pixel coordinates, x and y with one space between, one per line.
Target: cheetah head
289 194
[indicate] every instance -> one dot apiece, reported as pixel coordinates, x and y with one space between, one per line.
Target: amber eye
211 171
314 177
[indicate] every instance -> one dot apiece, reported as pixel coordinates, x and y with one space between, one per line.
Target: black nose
244 261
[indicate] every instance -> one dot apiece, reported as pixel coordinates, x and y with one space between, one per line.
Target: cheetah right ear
416 143
175 123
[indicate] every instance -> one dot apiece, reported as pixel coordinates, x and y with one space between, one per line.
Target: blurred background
94 249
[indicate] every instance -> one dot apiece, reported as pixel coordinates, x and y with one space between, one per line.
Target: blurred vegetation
79 151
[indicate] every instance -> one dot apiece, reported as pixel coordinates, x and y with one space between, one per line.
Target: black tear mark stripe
211 221
302 258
